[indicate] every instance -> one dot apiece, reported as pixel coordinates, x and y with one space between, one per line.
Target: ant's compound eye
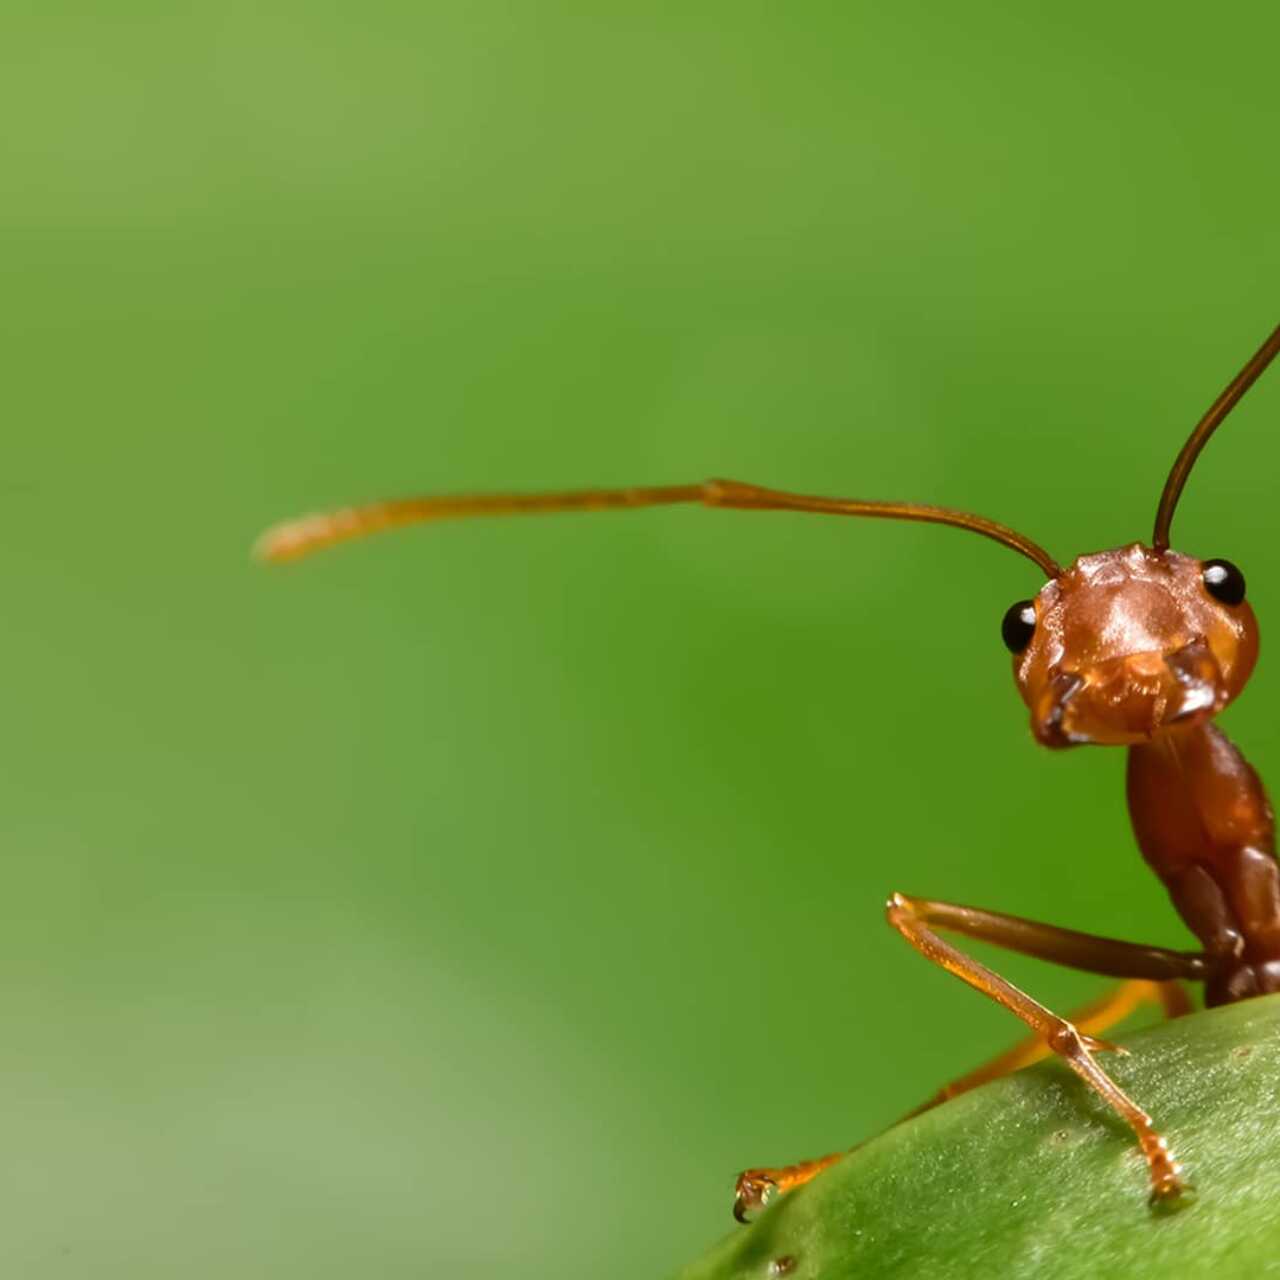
1223 581
1019 625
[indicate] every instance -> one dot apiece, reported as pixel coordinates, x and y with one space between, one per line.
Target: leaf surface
1032 1176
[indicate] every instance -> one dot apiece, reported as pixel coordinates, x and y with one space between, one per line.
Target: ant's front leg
913 918
756 1187
1153 974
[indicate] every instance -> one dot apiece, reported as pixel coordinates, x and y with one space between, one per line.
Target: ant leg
1155 971
756 1186
1158 967
912 918
1091 1019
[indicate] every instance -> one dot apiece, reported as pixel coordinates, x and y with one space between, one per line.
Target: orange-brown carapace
1141 648
1138 647
1128 643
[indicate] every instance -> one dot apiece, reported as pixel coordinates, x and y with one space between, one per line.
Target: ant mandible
1139 647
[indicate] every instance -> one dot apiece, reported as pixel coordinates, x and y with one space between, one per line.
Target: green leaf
1032 1176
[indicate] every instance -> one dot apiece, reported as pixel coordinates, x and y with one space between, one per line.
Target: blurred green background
477 901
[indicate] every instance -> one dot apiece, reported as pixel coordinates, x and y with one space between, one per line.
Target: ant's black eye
1019 625
1223 581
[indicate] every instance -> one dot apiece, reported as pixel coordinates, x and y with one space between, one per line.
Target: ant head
1129 643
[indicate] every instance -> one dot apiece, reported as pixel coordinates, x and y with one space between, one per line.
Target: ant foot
1169 1194
753 1191
757 1187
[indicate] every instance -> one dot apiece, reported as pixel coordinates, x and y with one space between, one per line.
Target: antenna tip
292 539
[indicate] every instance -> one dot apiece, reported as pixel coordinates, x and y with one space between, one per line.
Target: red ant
1139 647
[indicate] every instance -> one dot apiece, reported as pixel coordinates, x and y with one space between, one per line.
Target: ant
1140 646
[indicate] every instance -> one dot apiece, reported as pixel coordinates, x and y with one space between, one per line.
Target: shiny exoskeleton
1140 647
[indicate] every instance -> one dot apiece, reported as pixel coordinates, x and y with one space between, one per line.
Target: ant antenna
1203 430
296 538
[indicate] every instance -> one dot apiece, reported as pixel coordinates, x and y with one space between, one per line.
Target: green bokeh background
476 901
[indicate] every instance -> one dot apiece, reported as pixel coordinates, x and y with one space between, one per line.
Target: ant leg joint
1066 1040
